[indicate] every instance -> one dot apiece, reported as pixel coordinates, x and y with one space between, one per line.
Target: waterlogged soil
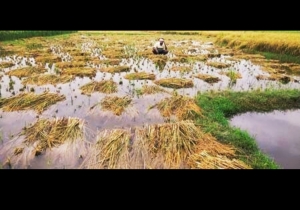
276 133
80 51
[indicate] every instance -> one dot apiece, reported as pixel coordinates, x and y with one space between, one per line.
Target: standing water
277 134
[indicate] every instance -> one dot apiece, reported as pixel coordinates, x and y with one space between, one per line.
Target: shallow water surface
277 134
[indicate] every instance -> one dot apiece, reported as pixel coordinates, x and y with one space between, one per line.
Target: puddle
277 134
78 105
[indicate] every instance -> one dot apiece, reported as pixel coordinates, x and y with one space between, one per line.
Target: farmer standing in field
160 47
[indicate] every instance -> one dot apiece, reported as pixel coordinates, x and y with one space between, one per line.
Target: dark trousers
159 51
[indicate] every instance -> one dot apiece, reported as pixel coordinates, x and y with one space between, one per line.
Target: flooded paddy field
101 101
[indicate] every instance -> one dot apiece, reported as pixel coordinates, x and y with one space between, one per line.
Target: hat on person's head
161 39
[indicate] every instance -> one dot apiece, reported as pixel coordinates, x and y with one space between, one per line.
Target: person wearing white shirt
160 47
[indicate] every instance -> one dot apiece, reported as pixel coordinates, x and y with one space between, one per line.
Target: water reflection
277 134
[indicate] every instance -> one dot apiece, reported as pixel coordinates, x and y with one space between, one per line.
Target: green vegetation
11 35
233 75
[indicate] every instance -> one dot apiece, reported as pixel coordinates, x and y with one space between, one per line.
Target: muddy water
137 114
277 134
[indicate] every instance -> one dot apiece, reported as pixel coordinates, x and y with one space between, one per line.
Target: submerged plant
233 75
130 51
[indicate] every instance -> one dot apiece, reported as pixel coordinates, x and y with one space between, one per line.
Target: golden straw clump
108 86
218 65
111 150
111 61
181 68
180 59
174 141
72 64
204 160
47 79
54 132
211 154
115 69
47 59
175 83
6 64
208 78
140 76
152 89
80 58
115 104
213 147
181 106
26 72
27 101
79 71
114 54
